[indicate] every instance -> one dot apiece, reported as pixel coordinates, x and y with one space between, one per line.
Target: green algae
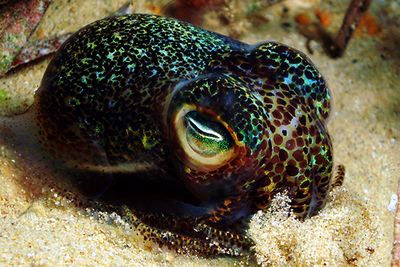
3 95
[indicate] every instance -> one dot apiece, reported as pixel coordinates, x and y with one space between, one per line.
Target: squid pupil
205 136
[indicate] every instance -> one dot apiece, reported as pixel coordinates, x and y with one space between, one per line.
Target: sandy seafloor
38 227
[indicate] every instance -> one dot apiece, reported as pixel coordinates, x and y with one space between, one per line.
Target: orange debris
367 24
302 19
324 17
154 9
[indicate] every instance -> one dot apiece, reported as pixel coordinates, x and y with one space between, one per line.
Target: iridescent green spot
72 101
84 79
85 61
91 45
117 36
69 73
110 55
148 142
98 129
127 59
131 67
114 77
249 183
99 75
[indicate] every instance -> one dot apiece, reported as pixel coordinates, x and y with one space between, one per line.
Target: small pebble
393 203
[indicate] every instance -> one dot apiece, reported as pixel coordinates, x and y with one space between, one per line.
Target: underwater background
41 224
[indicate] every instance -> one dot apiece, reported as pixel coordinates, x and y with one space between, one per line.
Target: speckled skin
109 96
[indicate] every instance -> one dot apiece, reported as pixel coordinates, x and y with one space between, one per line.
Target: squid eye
206 143
205 137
